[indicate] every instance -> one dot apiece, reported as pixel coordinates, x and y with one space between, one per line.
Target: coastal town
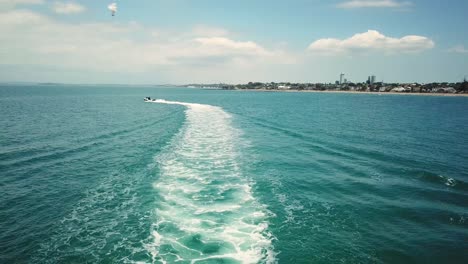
370 85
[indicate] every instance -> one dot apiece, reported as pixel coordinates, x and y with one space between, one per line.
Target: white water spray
207 210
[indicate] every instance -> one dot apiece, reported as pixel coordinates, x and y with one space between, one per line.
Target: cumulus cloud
459 49
67 8
373 4
370 41
35 39
221 45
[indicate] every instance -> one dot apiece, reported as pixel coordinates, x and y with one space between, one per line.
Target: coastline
353 92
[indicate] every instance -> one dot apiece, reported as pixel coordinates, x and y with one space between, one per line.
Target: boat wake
207 212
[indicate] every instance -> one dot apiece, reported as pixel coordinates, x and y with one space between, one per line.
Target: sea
93 174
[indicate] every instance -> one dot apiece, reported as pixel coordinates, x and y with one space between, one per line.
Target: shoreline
352 92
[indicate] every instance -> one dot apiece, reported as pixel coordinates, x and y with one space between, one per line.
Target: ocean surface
92 174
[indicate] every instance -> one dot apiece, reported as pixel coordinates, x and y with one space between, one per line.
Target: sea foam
207 211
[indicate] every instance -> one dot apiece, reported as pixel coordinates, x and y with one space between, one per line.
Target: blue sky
182 41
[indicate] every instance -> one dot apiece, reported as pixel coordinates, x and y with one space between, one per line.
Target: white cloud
29 38
459 49
20 2
220 45
67 8
369 41
208 31
373 4
10 4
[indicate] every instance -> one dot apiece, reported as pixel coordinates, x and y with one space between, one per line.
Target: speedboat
147 99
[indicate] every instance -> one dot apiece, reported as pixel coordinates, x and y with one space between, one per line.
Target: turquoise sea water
92 174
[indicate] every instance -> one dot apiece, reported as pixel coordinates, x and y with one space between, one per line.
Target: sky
204 41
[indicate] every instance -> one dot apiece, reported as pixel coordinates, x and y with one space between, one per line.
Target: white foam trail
207 210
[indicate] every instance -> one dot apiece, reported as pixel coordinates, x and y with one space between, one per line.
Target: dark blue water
94 174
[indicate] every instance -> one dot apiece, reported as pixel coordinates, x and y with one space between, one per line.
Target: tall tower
341 78
372 79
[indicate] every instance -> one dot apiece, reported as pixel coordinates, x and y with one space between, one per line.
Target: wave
44 155
207 211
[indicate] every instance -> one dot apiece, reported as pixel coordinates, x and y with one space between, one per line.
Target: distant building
416 89
341 78
444 90
371 79
398 89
